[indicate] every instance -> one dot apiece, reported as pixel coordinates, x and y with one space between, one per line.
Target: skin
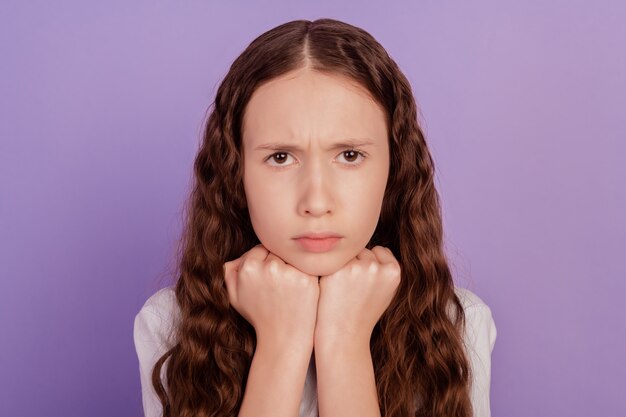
316 188
300 301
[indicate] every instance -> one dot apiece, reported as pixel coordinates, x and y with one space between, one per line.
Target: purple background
101 108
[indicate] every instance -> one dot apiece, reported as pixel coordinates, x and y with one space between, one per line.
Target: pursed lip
318 235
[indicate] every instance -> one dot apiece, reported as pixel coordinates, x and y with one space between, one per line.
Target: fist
279 300
353 298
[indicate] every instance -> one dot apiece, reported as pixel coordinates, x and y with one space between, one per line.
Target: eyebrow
346 143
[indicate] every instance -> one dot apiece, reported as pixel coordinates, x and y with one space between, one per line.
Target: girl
312 279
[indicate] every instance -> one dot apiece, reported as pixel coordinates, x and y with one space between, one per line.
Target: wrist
335 340
294 346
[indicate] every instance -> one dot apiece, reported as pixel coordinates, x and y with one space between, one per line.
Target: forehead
306 104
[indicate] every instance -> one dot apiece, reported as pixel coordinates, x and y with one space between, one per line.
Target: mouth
318 244
323 234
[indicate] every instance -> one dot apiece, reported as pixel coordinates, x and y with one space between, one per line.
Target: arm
276 381
346 385
345 375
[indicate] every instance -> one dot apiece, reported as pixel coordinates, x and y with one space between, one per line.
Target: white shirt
153 337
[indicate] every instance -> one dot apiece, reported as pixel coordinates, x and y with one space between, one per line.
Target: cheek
366 204
265 205
369 195
255 186
264 192
367 210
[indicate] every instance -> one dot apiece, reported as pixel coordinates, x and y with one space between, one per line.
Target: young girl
312 279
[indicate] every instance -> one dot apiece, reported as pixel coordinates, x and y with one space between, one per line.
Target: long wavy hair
420 365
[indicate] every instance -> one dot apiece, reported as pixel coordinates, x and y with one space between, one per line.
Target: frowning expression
316 158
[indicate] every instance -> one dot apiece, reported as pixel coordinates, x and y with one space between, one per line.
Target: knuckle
302 280
248 266
392 271
273 266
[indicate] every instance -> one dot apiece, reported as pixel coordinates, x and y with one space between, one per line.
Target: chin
318 272
313 267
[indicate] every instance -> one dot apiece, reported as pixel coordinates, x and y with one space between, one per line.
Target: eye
354 154
350 154
278 156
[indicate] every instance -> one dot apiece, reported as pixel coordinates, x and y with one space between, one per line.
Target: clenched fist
353 298
279 300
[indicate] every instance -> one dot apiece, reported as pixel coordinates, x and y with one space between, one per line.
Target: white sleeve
150 337
480 338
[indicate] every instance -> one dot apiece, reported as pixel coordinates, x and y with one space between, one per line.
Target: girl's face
302 175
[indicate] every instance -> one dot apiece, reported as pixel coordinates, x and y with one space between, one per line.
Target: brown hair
417 350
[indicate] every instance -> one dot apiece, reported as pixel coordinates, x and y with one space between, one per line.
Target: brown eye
353 155
278 159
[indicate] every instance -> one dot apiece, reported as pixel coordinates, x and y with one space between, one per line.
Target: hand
353 299
279 300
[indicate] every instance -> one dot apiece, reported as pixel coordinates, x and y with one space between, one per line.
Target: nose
316 189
